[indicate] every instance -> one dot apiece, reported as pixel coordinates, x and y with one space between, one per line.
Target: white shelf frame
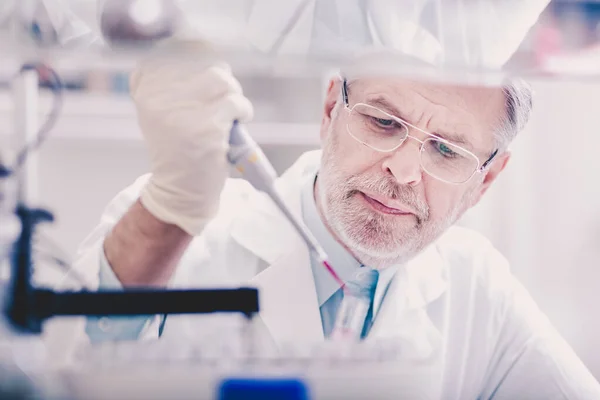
112 117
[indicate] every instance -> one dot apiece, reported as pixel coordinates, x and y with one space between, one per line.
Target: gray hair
519 103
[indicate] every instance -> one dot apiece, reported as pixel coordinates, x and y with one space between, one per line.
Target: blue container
262 389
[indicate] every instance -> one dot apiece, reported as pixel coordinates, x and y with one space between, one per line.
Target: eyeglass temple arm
345 92
489 160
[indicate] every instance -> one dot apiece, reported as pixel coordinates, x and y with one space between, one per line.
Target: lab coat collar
403 316
427 277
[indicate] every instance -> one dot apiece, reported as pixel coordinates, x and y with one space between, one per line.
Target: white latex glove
185 110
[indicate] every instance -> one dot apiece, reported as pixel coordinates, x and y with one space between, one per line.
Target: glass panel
524 37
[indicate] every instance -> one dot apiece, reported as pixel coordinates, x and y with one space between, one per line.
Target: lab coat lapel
288 298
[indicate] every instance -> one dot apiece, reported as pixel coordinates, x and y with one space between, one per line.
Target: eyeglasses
385 133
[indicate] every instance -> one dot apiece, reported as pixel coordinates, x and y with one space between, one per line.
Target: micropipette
247 157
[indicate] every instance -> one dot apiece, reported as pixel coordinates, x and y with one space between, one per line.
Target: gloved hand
185 110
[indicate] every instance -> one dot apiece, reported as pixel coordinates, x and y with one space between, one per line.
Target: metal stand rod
26 96
21 302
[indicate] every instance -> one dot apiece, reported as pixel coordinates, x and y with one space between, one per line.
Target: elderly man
401 161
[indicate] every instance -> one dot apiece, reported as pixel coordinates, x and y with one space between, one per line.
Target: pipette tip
333 273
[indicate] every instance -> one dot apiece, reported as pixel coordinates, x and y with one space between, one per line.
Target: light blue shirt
129 328
113 328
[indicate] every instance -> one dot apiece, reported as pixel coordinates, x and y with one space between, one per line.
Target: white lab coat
457 299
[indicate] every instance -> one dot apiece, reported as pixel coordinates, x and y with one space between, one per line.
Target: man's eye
384 122
445 150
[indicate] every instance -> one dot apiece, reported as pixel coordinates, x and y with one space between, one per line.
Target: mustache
388 187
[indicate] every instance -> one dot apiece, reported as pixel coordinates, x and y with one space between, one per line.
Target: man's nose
405 163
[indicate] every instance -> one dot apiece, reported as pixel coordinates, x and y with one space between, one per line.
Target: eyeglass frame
480 167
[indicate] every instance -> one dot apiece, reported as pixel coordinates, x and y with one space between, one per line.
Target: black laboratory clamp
27 307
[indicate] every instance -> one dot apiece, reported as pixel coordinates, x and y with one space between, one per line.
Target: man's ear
490 176
331 98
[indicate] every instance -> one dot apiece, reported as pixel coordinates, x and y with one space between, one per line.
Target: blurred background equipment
484 35
137 22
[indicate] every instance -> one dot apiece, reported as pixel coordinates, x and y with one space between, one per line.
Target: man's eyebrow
386 105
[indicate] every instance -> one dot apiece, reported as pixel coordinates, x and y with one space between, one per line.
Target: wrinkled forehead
459 113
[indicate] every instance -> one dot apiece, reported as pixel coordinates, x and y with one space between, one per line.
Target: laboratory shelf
109 116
